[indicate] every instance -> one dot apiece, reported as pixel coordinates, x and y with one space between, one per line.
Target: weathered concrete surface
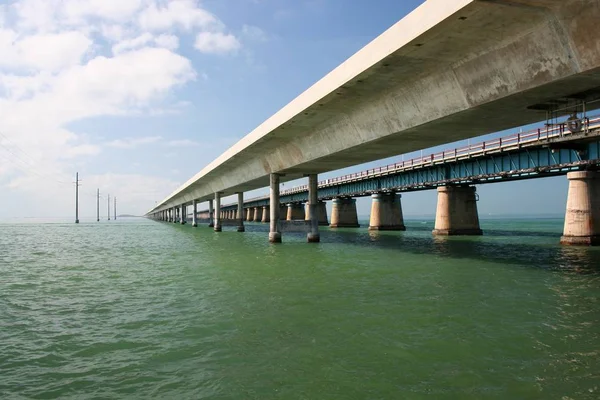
343 213
321 213
386 212
582 218
282 212
451 69
239 213
257 214
313 202
274 207
265 214
295 211
456 212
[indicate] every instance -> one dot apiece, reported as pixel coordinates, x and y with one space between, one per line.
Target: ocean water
139 309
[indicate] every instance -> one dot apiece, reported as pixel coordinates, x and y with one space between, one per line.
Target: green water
142 309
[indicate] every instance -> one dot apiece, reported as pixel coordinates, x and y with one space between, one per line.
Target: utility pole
108 201
115 208
77 197
98 206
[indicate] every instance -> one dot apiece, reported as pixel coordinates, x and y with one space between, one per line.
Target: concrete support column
295 211
257 214
174 215
217 212
386 212
313 203
582 217
283 212
182 214
250 214
456 211
265 214
195 213
240 212
321 213
343 213
274 234
211 214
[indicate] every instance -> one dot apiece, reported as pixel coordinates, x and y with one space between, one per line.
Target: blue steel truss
525 163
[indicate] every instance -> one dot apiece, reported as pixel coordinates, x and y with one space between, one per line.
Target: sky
139 95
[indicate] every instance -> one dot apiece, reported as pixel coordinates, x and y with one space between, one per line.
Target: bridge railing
512 141
504 143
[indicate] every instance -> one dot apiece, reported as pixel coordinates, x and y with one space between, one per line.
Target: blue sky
139 95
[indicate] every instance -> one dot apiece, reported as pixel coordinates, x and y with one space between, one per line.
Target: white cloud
62 61
129 143
183 143
177 13
114 10
131 44
167 41
216 43
50 51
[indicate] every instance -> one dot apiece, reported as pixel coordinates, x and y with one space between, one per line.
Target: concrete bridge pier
343 213
265 214
456 212
175 216
283 211
240 212
274 234
386 212
183 214
211 214
321 213
295 211
257 214
250 214
217 227
313 207
582 217
195 213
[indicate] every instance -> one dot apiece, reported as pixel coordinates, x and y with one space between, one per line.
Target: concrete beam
450 70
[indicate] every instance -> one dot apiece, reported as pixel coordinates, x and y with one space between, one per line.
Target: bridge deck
450 70
540 152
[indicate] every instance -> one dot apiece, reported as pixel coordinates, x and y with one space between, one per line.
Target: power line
32 168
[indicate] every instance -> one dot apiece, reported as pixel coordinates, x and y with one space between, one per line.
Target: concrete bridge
539 153
450 70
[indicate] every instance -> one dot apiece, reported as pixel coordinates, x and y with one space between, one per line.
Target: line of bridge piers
456 212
